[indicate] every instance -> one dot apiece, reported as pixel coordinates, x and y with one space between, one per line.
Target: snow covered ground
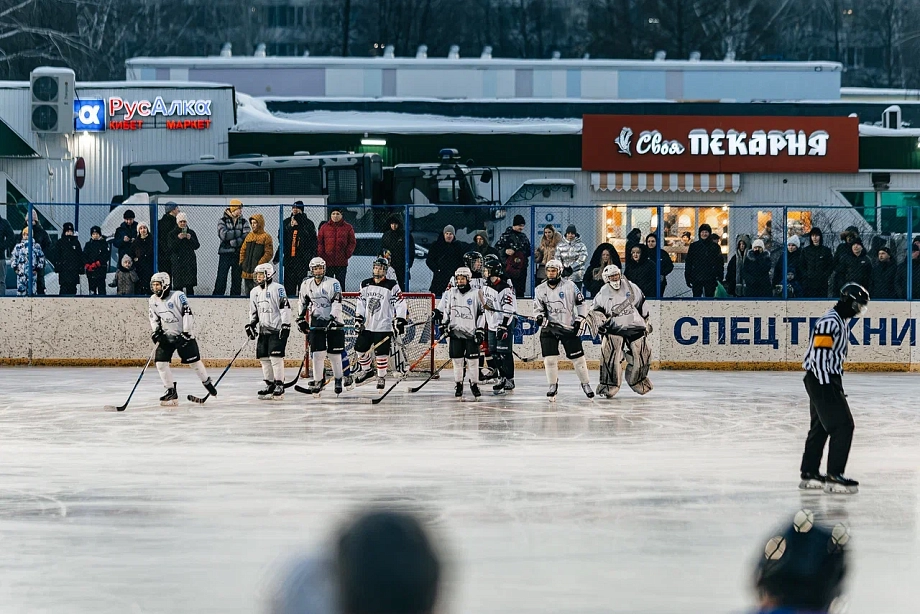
654 504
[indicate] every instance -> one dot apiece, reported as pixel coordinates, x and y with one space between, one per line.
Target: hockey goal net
410 353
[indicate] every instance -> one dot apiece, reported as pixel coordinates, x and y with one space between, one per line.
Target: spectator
299 243
515 246
816 266
142 254
757 264
656 255
68 261
793 271
703 266
231 230
125 276
336 244
885 276
394 241
125 235
481 244
772 249
40 236
686 238
184 261
604 254
96 254
444 257
855 267
734 278
574 254
875 244
256 250
546 250
914 263
7 242
640 270
166 228
20 263
844 251
632 239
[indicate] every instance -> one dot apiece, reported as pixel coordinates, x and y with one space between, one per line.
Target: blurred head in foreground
802 566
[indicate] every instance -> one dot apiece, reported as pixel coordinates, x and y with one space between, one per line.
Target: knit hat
171 206
571 229
705 227
68 226
334 208
758 243
235 205
885 249
181 218
793 240
95 229
127 261
450 229
298 204
518 220
129 214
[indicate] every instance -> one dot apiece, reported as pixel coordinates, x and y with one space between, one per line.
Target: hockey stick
299 368
510 313
433 345
431 377
526 359
144 370
326 380
201 400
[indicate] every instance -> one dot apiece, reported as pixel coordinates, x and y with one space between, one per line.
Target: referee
830 414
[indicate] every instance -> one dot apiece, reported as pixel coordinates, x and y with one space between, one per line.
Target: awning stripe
666 182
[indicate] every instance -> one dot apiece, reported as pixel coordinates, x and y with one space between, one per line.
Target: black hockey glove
567 271
577 325
285 332
480 335
437 316
539 320
184 338
400 326
251 331
502 333
157 335
320 323
359 324
333 325
303 325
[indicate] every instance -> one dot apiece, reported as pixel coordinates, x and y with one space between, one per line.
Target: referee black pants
830 417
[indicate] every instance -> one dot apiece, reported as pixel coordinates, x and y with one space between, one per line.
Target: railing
659 247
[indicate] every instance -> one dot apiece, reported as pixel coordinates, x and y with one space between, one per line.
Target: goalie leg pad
638 363
611 371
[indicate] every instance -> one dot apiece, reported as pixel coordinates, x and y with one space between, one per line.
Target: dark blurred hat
129 214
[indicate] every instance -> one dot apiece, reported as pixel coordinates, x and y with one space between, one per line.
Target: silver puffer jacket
573 254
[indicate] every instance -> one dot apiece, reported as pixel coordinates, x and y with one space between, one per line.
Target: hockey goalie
619 315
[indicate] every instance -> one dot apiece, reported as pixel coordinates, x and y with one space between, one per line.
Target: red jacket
336 243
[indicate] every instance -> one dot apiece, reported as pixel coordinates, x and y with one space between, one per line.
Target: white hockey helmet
163 280
556 265
464 271
268 273
611 275
318 263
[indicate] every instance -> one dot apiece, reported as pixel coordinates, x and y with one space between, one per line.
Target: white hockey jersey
380 304
463 312
270 307
625 307
500 304
173 315
324 299
561 304
476 283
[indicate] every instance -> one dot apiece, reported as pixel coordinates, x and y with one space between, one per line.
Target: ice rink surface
641 505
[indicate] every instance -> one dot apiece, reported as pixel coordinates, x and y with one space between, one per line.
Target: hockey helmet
267 269
163 280
463 272
493 265
803 565
318 263
855 297
554 265
379 267
611 275
473 260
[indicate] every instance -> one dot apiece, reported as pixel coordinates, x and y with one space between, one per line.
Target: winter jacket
68 258
756 274
704 261
336 243
665 268
7 237
119 242
485 249
915 279
593 280
257 248
184 262
546 251
856 269
40 236
394 241
816 267
127 280
642 273
299 243
885 278
793 275
143 261
515 264
875 244
165 228
573 255
443 259
734 276
96 254
232 233
19 261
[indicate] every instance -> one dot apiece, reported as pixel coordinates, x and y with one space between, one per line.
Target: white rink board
687 334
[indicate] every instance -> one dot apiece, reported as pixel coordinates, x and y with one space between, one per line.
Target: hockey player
270 321
620 316
501 305
461 313
174 331
830 412
325 330
560 309
380 311
473 261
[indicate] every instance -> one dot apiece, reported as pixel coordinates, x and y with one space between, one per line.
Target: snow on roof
253 116
130 85
872 130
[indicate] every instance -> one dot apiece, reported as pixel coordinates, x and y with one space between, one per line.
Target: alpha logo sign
89 115
141 114
661 144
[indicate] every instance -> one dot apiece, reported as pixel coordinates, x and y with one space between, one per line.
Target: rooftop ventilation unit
454 53
422 52
226 51
660 55
695 56
486 53
389 52
260 51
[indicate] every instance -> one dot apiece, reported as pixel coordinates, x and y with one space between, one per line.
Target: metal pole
281 245
407 247
76 213
909 262
658 250
154 211
785 257
527 257
31 276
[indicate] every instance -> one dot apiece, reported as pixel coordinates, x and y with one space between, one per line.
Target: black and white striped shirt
827 348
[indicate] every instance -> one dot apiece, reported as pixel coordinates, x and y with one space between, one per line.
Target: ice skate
604 392
474 388
812 481
509 384
277 391
487 376
170 399
266 393
362 376
499 387
840 485
349 382
210 387
553 389
338 386
458 390
381 383
587 390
